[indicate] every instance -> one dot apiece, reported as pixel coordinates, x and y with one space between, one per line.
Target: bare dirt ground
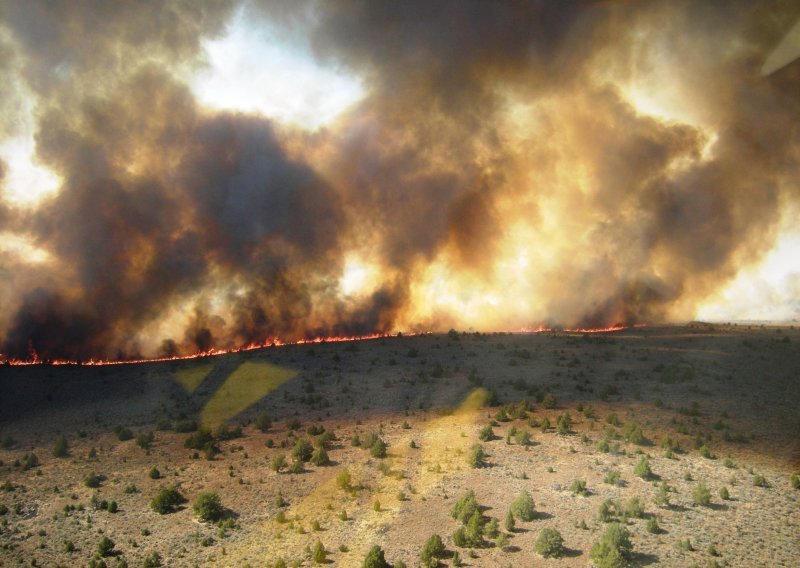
729 392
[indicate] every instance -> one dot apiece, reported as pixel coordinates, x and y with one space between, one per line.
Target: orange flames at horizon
36 360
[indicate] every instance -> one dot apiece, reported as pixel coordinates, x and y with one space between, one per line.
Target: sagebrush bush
614 548
145 439
61 448
320 457
92 480
523 507
375 558
642 469
344 480
476 456
550 543
105 547
662 495
564 424
701 494
123 434
634 508
466 505
432 550
378 449
167 500
302 450
263 422
578 487
208 507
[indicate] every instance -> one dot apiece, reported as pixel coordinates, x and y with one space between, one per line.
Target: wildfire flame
34 358
608 329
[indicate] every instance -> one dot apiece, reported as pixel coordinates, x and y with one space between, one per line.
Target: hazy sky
178 175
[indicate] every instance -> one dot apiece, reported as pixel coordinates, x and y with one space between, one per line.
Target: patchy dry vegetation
673 446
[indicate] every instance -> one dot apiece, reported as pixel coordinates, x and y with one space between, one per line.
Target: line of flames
609 329
36 360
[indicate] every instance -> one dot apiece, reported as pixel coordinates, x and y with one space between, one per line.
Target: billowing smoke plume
499 171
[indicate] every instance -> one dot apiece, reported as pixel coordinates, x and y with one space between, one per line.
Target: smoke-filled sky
177 176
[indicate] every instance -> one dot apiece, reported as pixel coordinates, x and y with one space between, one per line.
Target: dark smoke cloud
178 229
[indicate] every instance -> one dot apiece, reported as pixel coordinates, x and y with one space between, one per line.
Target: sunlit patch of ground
192 377
243 387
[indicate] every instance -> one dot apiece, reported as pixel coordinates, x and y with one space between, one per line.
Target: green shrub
167 500
278 462
602 446
154 473
612 477
662 495
344 480
578 487
199 439
701 495
652 526
92 480
113 507
263 422
523 507
614 548
522 437
432 551
208 507
795 479
564 424
473 530
152 560
375 558
724 494
123 434
759 480
69 546
29 461
550 543
464 508
145 439
476 456
105 547
486 433
607 510
705 451
642 469
549 401
318 553
302 450
225 432
320 457
509 522
634 508
633 433
545 425
61 448
378 449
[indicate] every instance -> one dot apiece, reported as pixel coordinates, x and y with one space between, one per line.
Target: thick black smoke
179 229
